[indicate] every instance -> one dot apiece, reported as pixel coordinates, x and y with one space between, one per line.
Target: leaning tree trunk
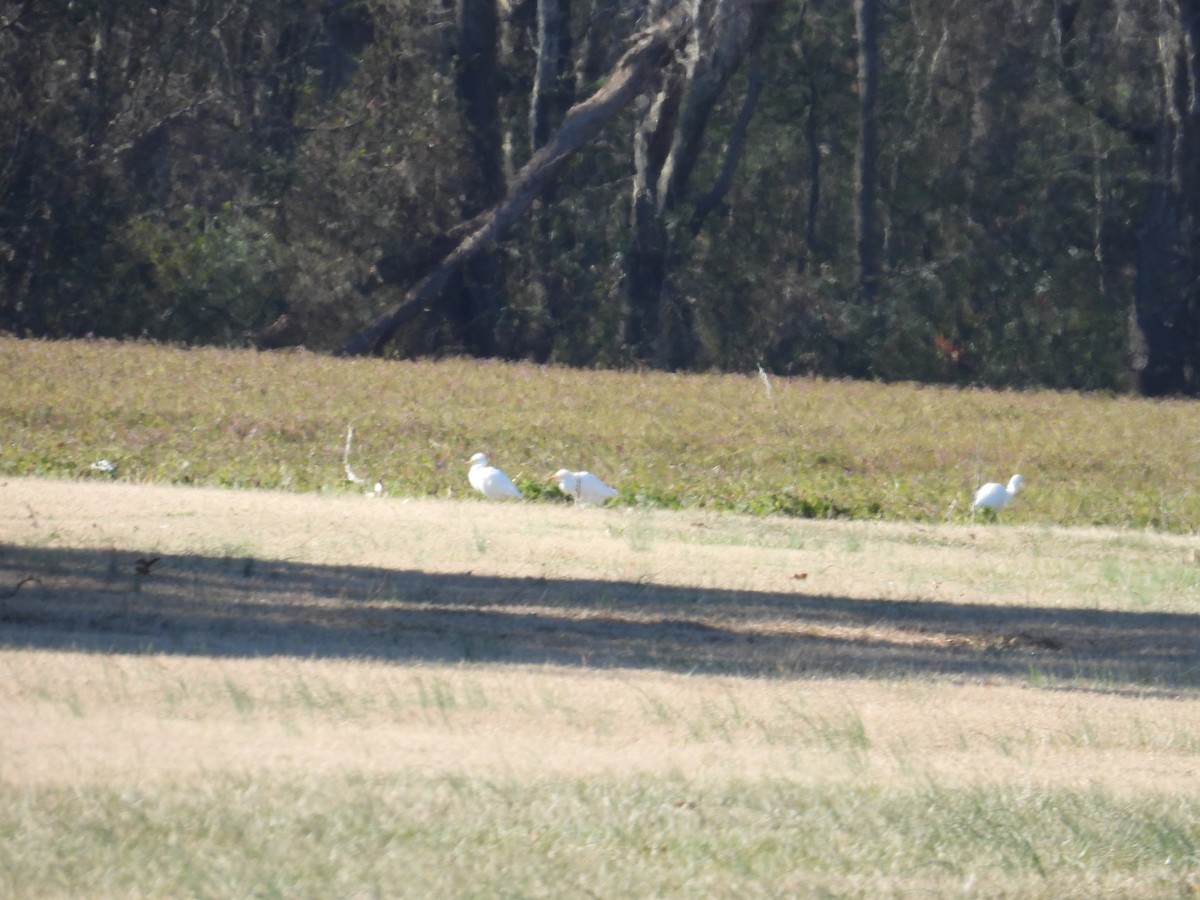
628 78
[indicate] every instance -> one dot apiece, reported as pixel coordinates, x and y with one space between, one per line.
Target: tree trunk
812 140
867 156
668 142
553 81
651 50
552 96
1166 300
1167 287
755 82
477 293
646 259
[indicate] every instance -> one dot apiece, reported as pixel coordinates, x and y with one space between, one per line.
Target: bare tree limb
735 31
583 122
755 82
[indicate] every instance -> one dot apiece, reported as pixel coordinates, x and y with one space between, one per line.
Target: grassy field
309 692
800 447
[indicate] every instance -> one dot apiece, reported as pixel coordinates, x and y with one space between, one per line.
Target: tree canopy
1000 194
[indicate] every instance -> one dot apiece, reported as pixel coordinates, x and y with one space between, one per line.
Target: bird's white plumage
489 480
585 487
994 495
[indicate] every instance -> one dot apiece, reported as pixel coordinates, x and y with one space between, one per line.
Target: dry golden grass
300 640
76 719
375 598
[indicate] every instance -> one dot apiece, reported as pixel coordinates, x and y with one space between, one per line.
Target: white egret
489 480
350 476
585 487
996 496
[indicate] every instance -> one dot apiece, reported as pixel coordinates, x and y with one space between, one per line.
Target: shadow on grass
111 601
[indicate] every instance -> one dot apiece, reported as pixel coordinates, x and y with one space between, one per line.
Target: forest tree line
1003 193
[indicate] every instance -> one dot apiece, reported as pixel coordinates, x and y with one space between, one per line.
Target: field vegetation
755 444
300 689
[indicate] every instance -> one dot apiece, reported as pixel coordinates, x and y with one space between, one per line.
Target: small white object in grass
489 480
585 487
994 495
350 476
766 380
104 466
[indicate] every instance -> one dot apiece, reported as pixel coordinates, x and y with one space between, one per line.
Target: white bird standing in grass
350 476
489 480
995 496
585 487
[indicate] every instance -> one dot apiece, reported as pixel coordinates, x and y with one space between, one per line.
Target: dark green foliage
192 171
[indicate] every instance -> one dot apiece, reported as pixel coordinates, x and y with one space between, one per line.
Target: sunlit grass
188 775
459 837
810 448
346 778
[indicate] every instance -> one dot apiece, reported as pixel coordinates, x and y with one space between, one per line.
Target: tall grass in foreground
454 837
797 446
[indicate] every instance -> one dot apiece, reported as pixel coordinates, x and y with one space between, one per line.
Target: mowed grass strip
795 446
73 718
163 776
411 836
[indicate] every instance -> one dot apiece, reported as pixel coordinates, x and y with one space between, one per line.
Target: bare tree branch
583 122
755 82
